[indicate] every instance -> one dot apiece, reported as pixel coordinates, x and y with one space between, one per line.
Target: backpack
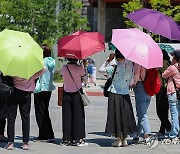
152 82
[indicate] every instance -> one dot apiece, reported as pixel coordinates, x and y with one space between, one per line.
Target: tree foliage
164 6
129 7
41 18
70 17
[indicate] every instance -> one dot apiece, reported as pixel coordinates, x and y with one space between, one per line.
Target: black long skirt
120 118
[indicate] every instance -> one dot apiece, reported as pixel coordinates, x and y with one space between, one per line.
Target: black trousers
73 117
41 102
3 114
2 126
162 108
23 99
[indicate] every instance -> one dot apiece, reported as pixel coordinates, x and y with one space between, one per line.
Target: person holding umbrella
173 76
120 117
73 115
21 97
22 58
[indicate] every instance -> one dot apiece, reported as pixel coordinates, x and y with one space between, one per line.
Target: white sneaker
175 140
166 141
116 144
124 142
83 144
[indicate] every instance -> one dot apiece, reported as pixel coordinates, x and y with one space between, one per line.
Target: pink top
27 84
77 72
139 73
170 72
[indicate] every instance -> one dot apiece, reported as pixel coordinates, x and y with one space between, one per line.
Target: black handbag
108 83
5 90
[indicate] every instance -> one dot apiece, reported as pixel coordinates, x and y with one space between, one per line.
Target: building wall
114 20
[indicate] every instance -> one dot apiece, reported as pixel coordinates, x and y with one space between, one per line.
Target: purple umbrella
156 22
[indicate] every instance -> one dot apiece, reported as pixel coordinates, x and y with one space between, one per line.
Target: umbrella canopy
156 22
80 45
138 47
20 55
166 47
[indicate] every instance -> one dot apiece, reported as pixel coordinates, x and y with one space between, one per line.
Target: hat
176 53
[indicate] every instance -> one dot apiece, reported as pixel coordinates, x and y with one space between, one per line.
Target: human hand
111 57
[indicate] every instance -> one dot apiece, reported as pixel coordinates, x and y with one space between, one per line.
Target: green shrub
57 77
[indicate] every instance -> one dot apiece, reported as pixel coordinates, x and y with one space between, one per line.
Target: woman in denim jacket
120 118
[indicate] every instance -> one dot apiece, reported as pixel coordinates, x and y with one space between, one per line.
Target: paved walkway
99 142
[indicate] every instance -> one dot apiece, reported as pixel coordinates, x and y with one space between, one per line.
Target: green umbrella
111 46
20 55
166 47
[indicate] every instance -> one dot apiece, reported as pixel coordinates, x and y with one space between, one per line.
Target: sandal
10 146
25 146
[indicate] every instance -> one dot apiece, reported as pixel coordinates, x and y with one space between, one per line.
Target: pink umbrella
80 45
138 47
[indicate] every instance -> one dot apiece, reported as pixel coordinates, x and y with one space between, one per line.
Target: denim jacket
123 77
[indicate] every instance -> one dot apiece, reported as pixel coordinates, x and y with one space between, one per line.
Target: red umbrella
80 45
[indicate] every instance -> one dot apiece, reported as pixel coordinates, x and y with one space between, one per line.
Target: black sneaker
80 143
65 143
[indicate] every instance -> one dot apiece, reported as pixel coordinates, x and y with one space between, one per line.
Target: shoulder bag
108 83
5 90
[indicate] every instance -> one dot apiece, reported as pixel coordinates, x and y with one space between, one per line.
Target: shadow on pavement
100 134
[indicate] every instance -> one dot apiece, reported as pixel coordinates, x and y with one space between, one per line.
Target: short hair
46 50
176 55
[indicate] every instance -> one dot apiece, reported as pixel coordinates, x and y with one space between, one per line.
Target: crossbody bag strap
72 77
174 80
114 72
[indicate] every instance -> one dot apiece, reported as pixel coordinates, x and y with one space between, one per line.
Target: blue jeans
174 106
142 104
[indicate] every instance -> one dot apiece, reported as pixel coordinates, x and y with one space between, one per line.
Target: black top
6 79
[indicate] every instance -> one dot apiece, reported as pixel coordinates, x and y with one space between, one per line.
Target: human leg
24 108
41 101
142 104
67 117
12 112
78 121
162 108
173 102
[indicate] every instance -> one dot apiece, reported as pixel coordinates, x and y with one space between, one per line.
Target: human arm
170 71
137 69
40 73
